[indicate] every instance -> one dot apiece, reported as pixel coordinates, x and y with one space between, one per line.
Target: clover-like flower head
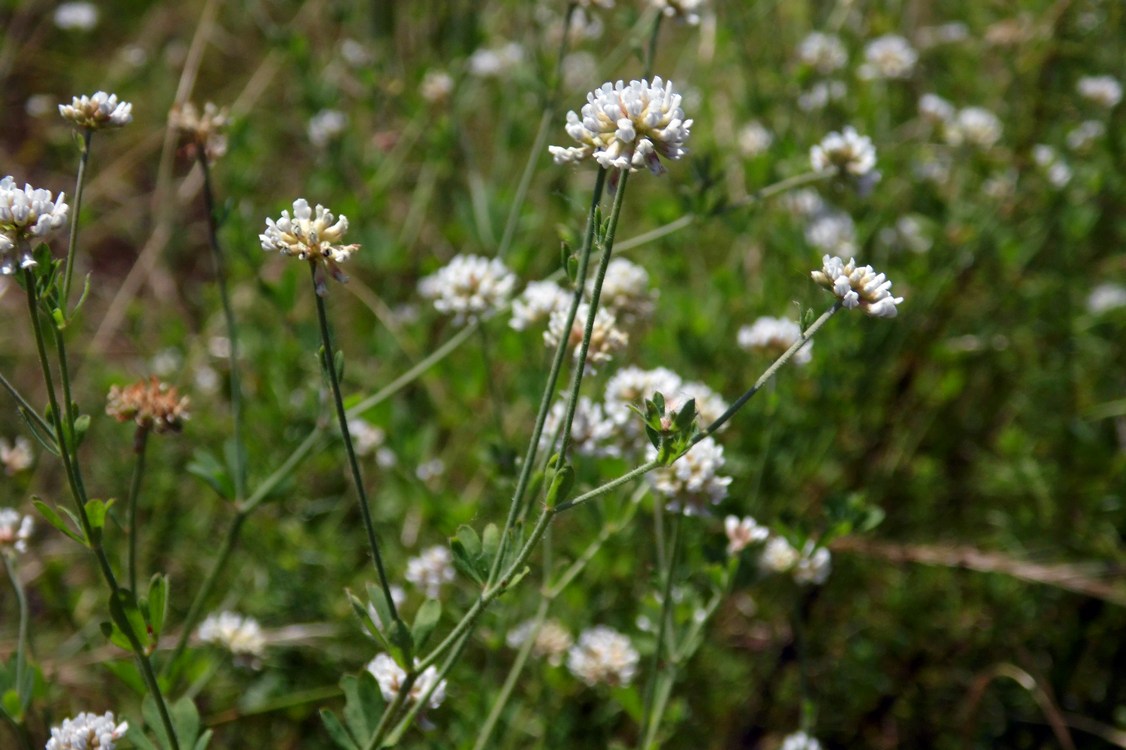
858 286
97 112
311 234
26 214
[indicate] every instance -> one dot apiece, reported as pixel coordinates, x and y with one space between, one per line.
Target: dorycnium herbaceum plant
534 447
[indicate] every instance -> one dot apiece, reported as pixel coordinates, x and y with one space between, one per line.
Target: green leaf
185 720
490 543
10 705
81 425
152 719
363 705
138 739
466 548
43 435
425 621
338 361
336 731
96 511
561 485
213 472
158 603
56 520
203 741
127 617
126 671
402 641
686 417
379 600
372 627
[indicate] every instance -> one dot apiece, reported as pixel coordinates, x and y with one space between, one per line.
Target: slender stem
21 643
655 234
30 410
229 318
139 446
72 245
552 378
424 699
342 419
661 700
798 180
649 720
282 472
601 490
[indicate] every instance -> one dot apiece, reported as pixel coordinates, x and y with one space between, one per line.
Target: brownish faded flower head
200 129
151 404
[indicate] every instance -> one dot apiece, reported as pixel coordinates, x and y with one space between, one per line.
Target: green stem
552 378
72 245
651 720
21 642
232 329
601 490
342 419
139 446
30 410
798 180
424 699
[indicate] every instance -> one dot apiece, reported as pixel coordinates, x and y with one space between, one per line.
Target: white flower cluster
469 287
1106 297
774 336
625 290
603 655
627 127
16 456
436 86
496 61
693 482
1084 135
606 339
592 432
754 139
858 286
820 94
1052 164
310 234
742 533
831 231
687 11
975 126
936 110
326 126
847 152
391 676
15 530
800 741
97 112
810 566
431 570
889 56
26 213
1104 91
368 439
204 129
76 16
240 635
536 304
87 731
552 641
825 53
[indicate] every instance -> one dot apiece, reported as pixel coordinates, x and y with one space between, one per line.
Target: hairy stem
72 244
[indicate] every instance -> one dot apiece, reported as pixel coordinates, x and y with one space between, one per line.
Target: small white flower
26 215
820 94
436 86
310 234
366 437
78 16
603 655
15 530
240 635
356 53
430 471
16 456
606 337
858 286
743 532
97 112
889 56
625 290
431 570
800 741
803 203
693 482
1106 297
1083 137
627 127
536 304
946 33
825 53
1055 169
976 126
87 731
552 640
326 126
910 231
779 556
773 336
592 432
814 565
847 152
498 61
469 287
754 139
1104 91
390 677
936 110
206 129
687 11
833 232
579 69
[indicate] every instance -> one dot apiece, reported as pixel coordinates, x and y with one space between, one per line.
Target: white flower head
832 231
773 336
87 731
436 86
800 741
26 215
847 152
97 112
825 53
15 530
240 635
778 556
469 287
814 565
366 437
310 234
603 655
693 482
1106 297
742 533
201 130
552 641
628 127
858 286
1055 168
536 304
76 16
820 94
606 337
625 290
803 203
390 677
431 570
936 110
497 61
754 139
687 11
592 432
1084 136
975 126
16 456
1105 91
326 126
889 56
